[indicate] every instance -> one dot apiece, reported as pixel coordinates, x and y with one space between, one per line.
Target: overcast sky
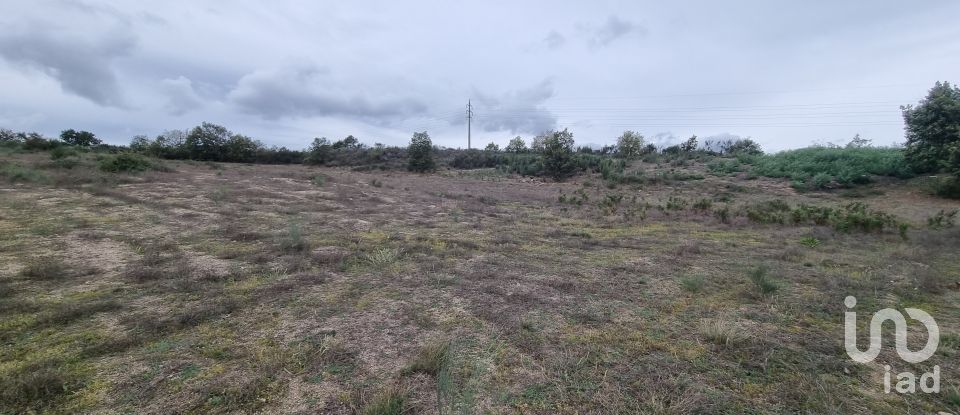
284 72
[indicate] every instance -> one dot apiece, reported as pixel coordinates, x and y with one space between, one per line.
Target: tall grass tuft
762 281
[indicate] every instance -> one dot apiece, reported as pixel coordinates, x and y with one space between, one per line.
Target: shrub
815 167
948 187
420 153
557 155
124 163
293 241
942 219
761 280
17 173
693 283
63 152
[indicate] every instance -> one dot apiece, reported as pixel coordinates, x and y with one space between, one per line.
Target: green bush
558 159
16 173
815 167
124 163
421 153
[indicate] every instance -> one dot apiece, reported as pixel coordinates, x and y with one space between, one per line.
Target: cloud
81 65
181 97
554 40
304 91
519 111
614 28
663 139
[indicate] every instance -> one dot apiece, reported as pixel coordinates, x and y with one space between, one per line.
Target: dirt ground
232 288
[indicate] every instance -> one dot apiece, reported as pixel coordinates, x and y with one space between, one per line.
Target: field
237 288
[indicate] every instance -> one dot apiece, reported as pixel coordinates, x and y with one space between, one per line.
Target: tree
516 145
420 152
8 136
933 130
537 145
140 143
319 151
349 142
240 149
690 145
558 161
630 145
492 147
744 146
207 141
859 142
79 138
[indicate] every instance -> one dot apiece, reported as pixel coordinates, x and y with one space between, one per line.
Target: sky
786 74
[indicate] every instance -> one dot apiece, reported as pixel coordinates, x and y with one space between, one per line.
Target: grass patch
44 269
382 257
431 358
760 278
693 283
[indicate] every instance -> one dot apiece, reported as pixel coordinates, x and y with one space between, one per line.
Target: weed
294 241
762 281
723 214
382 257
810 242
693 283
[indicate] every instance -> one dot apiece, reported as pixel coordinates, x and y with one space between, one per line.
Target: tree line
932 146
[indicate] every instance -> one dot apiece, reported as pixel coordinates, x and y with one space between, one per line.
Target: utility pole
469 121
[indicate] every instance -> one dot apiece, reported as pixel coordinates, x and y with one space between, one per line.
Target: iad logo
906 381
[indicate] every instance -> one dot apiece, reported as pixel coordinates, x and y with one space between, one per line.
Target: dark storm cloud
81 66
614 28
519 111
309 91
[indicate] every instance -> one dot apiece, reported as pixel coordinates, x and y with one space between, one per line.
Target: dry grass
262 289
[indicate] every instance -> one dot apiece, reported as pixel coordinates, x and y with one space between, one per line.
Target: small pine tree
557 154
420 152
